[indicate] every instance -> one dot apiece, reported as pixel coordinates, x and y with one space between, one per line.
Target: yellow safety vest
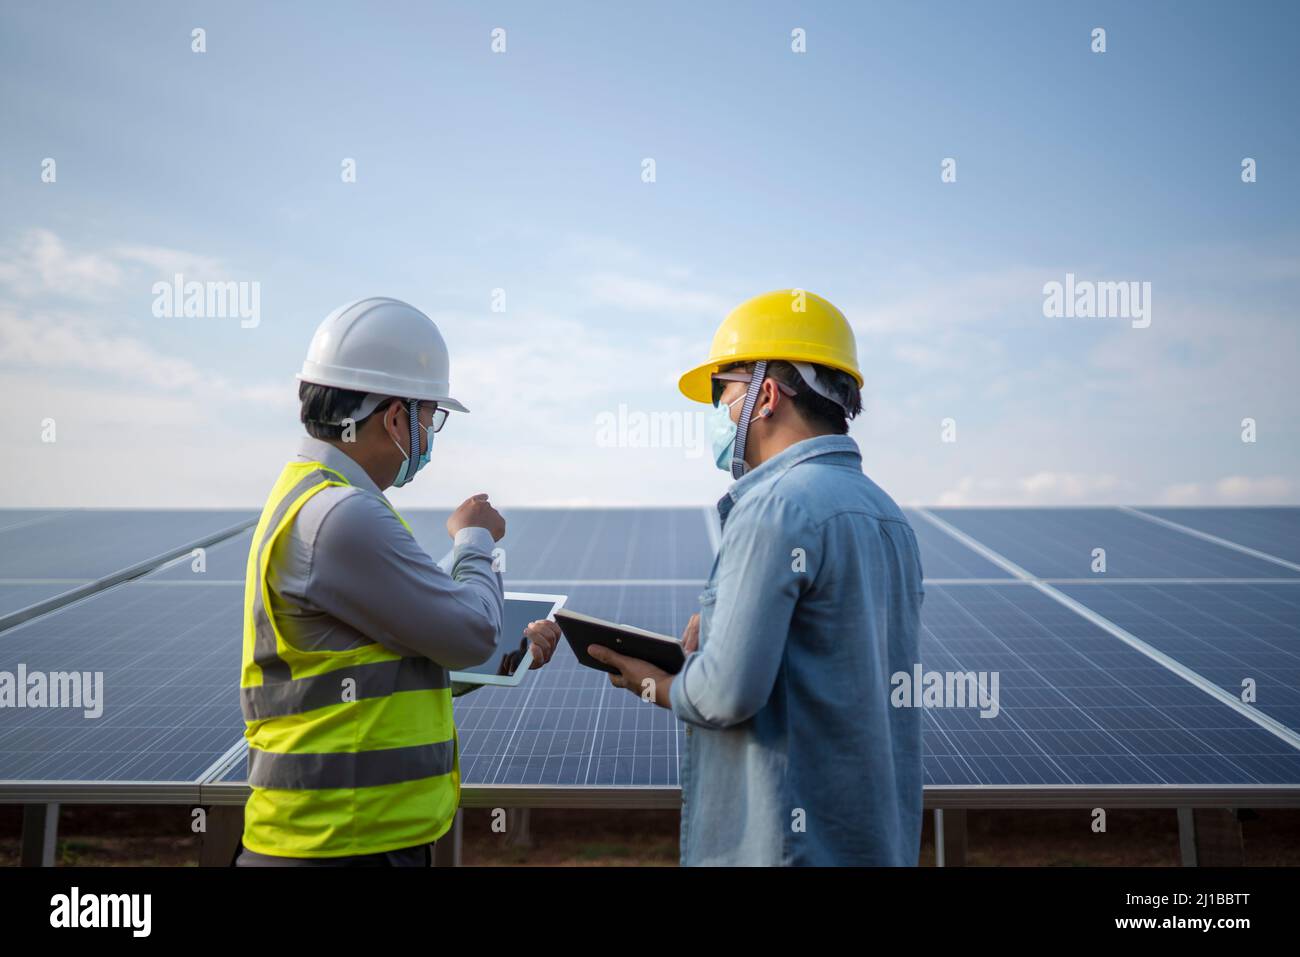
351 750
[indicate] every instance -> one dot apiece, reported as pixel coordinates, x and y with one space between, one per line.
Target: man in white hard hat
350 627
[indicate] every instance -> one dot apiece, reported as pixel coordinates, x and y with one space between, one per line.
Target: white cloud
1038 488
73 343
77 344
648 295
1233 490
168 262
41 264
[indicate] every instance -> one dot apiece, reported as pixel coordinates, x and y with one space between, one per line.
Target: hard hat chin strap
738 466
413 416
413 419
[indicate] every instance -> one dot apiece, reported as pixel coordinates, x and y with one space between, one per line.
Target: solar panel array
1061 544
1084 699
48 553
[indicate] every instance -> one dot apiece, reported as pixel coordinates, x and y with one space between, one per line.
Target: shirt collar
783 461
316 450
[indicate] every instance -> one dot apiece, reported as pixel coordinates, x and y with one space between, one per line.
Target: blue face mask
406 472
722 434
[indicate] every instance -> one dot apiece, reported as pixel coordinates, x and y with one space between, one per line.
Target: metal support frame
40 834
518 827
1209 826
668 797
950 837
446 850
221 836
1210 837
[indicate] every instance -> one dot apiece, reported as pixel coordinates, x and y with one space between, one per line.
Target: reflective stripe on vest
266 769
352 747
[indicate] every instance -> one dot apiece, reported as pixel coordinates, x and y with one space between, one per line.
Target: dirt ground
98 836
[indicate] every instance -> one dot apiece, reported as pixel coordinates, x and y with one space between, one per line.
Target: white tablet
512 658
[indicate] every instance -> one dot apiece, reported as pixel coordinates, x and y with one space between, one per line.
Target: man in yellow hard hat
795 753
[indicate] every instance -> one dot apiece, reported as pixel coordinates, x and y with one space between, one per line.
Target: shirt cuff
475 537
677 697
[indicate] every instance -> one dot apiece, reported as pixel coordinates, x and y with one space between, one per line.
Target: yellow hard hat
789 324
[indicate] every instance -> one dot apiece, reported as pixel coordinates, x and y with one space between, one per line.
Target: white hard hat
381 346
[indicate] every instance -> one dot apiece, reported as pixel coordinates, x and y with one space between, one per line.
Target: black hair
324 405
817 410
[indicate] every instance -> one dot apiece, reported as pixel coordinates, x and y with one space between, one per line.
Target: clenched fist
477 512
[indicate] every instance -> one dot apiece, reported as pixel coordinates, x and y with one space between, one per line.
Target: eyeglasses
720 380
439 415
439 419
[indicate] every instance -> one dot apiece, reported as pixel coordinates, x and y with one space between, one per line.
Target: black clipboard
582 630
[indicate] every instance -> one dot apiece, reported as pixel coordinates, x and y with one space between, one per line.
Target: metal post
950 837
518 831
40 834
1210 837
219 841
1186 837
446 851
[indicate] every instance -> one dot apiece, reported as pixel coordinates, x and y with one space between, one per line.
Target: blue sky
522 171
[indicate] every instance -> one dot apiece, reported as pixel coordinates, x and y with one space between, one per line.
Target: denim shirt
794 754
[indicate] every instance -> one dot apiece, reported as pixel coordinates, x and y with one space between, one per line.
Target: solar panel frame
1273 530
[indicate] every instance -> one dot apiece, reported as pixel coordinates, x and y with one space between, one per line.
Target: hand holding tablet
584 631
524 630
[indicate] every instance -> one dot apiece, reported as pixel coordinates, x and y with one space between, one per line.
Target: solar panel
15 595
18 517
50 553
569 725
578 544
1059 543
942 556
1275 531
224 562
170 663
92 543
1226 633
1077 706
548 545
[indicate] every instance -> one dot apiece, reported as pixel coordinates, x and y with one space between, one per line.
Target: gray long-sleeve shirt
348 570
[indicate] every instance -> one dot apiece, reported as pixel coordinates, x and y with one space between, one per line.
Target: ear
389 418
